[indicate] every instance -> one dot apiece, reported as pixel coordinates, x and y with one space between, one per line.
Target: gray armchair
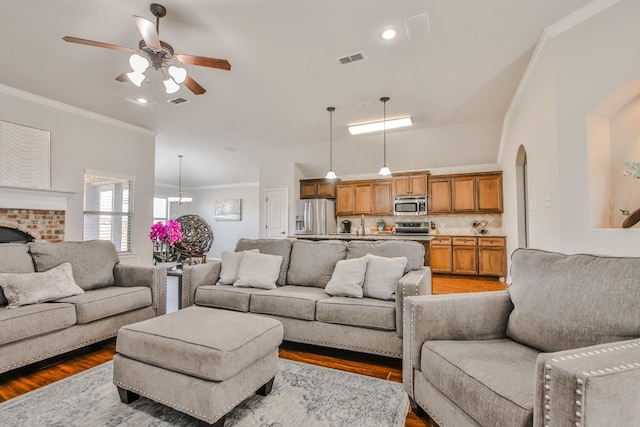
559 347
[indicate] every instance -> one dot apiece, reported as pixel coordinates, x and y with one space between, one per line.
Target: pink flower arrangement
164 236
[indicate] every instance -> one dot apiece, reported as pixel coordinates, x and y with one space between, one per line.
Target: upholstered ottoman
200 361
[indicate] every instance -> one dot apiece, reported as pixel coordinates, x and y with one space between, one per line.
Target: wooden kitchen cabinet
317 189
466 193
489 193
344 199
382 200
367 197
463 190
362 199
413 184
440 257
439 195
492 256
465 255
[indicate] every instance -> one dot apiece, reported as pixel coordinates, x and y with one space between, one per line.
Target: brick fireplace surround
43 225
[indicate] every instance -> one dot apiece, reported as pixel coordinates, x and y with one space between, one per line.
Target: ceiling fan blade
148 32
98 44
122 77
194 86
203 61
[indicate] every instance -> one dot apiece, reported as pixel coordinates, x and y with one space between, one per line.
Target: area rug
302 395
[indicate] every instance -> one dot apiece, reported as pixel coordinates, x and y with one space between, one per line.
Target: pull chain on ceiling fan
154 53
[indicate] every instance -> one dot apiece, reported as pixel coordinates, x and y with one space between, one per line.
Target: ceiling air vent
178 100
354 57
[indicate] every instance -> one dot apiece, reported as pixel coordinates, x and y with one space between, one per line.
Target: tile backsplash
453 225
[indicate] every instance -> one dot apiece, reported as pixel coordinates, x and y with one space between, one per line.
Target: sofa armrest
590 386
415 282
154 277
472 316
198 275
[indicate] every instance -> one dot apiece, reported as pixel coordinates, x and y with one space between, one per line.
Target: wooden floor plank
23 380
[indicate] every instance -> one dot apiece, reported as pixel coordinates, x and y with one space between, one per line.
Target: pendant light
180 200
384 170
331 174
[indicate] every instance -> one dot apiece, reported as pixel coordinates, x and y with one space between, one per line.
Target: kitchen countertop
353 236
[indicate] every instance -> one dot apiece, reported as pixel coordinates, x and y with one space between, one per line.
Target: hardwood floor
29 378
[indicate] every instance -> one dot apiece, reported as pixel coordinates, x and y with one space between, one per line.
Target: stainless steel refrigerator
315 216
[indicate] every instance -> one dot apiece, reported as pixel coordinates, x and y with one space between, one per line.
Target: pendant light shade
180 200
331 174
384 170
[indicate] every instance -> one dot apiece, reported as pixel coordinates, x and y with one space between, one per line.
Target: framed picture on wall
228 210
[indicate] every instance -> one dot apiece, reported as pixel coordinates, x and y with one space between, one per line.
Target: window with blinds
108 208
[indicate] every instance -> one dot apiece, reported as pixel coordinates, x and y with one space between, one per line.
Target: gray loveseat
115 295
310 315
559 347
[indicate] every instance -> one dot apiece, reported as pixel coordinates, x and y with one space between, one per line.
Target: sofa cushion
477 375
92 261
230 265
562 302
32 288
225 296
365 312
258 271
280 247
14 258
413 251
382 276
104 302
288 301
348 278
312 263
31 320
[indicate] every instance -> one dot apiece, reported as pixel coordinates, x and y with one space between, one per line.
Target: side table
176 271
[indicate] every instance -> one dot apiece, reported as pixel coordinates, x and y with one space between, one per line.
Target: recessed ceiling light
389 34
141 100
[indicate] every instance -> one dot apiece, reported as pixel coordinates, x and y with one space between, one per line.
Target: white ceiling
271 106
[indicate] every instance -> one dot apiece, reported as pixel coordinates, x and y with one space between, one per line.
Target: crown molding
576 18
11 91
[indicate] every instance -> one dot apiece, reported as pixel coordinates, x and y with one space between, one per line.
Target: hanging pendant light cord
180 178
331 110
384 100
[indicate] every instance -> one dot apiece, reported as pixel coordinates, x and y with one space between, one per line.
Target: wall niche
613 132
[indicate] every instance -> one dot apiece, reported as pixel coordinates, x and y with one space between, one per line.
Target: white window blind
160 211
108 208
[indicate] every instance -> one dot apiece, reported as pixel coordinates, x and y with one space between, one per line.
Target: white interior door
277 213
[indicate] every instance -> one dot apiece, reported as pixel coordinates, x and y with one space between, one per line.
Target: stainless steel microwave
410 205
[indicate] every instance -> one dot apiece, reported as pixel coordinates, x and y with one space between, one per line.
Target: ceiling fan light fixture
136 78
138 63
170 86
178 74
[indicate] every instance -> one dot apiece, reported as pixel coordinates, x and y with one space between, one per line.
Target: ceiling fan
155 53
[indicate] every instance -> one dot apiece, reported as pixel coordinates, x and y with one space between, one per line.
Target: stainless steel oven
410 205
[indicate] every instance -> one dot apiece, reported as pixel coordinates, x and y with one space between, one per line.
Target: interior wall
225 233
82 140
580 67
532 126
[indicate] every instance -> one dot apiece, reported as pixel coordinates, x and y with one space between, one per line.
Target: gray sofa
115 295
559 347
310 315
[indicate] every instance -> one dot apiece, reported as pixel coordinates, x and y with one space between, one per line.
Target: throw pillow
230 265
348 278
258 271
32 288
382 276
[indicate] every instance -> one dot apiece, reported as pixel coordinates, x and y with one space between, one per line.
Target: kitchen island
373 236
